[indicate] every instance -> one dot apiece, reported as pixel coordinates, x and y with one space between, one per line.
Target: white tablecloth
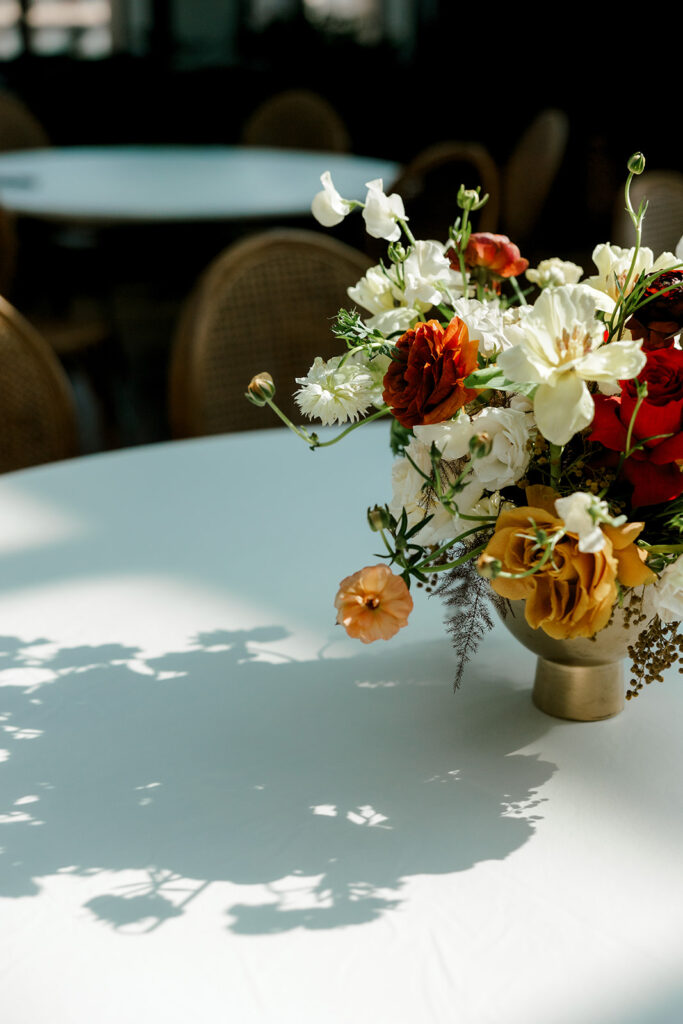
114 184
214 806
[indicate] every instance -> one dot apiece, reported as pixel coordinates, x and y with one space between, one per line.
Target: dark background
473 75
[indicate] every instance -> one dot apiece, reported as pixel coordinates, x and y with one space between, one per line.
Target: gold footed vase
581 680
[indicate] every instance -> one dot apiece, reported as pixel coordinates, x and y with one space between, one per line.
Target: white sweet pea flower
679 249
668 592
582 513
393 321
328 207
509 431
336 392
555 272
485 325
381 212
561 347
614 263
427 272
419 501
377 291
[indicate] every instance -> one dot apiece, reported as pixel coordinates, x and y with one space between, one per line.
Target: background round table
216 806
99 185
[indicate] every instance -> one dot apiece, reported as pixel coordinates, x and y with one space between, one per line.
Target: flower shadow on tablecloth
324 784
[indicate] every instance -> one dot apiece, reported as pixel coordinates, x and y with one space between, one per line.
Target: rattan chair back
531 171
429 187
663 221
297 119
265 303
19 128
37 408
8 251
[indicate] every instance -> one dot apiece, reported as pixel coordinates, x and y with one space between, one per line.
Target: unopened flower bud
378 518
396 252
488 567
636 163
480 445
467 198
261 388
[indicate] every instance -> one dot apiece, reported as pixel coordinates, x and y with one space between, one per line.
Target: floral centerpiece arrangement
536 430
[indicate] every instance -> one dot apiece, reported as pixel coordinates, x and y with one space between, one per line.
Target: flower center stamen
372 602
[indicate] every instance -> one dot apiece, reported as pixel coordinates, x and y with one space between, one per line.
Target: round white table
99 185
215 806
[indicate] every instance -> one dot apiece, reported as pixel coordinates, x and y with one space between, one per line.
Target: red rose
424 382
661 316
655 469
496 253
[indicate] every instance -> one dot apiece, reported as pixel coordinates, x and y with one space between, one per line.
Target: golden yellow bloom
573 593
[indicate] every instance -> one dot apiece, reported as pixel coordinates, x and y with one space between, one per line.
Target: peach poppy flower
373 604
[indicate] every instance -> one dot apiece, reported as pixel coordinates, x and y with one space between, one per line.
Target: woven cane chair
19 128
37 410
429 187
297 119
530 172
265 303
8 251
663 223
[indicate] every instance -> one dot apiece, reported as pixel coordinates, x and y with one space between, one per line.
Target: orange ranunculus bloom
496 253
425 379
373 604
573 594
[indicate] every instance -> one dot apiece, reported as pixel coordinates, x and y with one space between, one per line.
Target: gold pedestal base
582 693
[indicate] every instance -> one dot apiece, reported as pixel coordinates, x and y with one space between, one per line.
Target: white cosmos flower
334 393
614 263
554 272
408 494
328 207
427 272
560 348
668 592
381 212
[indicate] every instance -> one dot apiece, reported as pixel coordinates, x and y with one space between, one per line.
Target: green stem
446 546
311 439
518 291
354 426
555 463
406 230
459 561
661 549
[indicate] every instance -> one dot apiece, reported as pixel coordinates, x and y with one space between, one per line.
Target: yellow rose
573 593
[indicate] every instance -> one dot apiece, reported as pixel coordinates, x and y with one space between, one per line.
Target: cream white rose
554 272
509 431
